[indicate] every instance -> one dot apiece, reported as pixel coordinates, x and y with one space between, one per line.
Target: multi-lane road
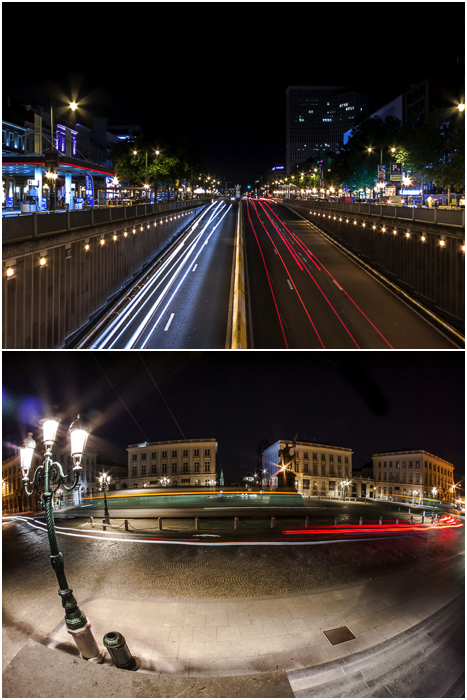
302 292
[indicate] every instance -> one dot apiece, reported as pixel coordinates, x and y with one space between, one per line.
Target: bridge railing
445 217
32 225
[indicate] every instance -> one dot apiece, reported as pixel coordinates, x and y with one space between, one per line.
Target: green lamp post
104 481
47 479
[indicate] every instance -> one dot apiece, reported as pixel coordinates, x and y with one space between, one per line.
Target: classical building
411 474
184 462
318 467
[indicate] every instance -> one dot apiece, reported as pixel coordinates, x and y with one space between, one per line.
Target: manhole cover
339 635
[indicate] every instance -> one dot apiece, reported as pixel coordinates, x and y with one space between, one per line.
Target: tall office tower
316 119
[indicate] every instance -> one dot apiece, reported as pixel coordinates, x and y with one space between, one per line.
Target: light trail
290 277
313 257
308 271
267 274
163 271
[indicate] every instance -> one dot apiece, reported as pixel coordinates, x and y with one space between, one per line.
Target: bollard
411 519
380 520
397 520
91 520
273 521
409 510
307 521
126 525
196 523
159 523
115 644
335 521
235 523
360 522
103 526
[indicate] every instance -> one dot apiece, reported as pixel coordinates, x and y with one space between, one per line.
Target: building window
196 466
346 472
153 455
323 470
323 486
339 458
305 468
417 464
133 471
206 466
143 470
339 471
196 453
379 476
315 469
331 458
410 464
143 455
164 468
164 454
207 452
174 467
305 455
346 460
315 455
331 470
174 453
323 458
417 478
185 466
153 469
385 476
185 454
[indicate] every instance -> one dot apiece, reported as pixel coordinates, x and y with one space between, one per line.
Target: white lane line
337 285
275 251
169 322
290 284
195 267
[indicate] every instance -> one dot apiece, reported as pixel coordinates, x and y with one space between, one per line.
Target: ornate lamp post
345 484
47 479
434 491
165 481
104 481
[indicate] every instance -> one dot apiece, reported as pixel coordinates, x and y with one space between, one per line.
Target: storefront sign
89 189
9 202
396 172
43 204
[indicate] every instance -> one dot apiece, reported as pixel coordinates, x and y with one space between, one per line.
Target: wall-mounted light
114 237
102 241
43 262
10 272
86 247
383 230
442 243
125 233
423 239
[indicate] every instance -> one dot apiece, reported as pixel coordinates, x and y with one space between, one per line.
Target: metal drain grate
339 635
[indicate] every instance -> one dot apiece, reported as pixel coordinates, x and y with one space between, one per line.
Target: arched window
124 486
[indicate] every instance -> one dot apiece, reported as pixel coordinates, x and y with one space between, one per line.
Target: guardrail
444 217
33 225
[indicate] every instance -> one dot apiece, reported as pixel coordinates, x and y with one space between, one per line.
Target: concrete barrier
239 336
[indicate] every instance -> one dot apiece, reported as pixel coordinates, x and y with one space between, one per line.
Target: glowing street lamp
48 479
165 481
345 484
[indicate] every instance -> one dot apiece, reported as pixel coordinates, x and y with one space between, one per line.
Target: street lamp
434 491
165 481
47 479
345 484
104 481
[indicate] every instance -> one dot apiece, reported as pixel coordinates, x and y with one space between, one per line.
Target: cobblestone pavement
176 572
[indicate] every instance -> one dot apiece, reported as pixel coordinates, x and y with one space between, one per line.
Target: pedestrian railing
32 225
445 217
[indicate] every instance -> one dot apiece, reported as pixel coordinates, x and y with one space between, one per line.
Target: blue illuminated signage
89 189
278 167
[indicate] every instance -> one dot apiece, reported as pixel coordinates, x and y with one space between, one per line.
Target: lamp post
165 481
345 484
434 491
104 481
47 479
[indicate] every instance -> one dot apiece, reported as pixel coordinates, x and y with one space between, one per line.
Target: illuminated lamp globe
79 433
49 430
27 452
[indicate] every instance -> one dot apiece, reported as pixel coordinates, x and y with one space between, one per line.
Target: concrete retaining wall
43 305
433 273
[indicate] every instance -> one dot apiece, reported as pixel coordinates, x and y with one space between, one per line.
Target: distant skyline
368 401
226 90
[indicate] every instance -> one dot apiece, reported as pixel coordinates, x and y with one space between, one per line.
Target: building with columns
318 468
184 462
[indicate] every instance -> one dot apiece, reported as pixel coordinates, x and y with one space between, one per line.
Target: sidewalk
250 635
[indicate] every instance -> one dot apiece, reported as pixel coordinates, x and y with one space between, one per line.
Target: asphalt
217 622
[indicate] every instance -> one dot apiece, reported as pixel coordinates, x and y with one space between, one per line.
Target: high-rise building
317 118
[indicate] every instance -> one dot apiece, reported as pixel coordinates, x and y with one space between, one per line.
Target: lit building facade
318 468
317 118
184 462
410 475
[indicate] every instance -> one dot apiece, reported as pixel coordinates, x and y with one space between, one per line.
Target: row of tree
157 157
432 150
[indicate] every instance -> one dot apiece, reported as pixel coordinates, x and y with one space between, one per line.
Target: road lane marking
195 267
337 285
290 284
169 322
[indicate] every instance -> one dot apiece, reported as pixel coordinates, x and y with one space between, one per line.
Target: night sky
368 401
218 71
